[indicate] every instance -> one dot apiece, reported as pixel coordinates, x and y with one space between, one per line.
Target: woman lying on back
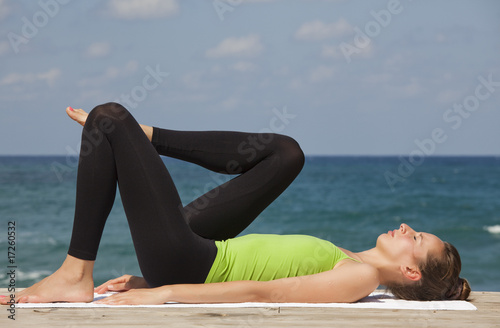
191 253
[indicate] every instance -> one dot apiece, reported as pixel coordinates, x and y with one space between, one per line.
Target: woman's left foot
72 282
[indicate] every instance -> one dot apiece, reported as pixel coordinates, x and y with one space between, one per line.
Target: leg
168 251
114 148
268 163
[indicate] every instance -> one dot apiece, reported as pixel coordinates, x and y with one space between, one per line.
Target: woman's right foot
68 284
78 115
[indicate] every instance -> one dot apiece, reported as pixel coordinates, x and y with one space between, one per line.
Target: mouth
391 233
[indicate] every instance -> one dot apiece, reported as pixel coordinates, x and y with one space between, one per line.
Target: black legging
173 243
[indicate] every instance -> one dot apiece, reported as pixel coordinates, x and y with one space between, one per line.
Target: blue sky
342 77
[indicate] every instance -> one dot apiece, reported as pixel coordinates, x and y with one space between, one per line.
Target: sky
342 77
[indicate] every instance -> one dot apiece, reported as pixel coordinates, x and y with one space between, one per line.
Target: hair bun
460 291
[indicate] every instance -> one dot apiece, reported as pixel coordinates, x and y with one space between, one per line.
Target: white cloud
230 103
244 66
247 46
360 52
4 9
321 73
94 96
410 89
192 80
142 9
282 71
318 30
367 51
331 51
378 78
98 49
448 96
296 84
109 74
398 60
440 38
48 77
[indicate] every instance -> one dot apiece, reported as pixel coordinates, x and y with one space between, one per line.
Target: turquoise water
347 200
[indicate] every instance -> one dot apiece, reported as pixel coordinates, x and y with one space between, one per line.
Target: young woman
191 253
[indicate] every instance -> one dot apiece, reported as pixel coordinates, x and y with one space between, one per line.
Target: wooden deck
487 315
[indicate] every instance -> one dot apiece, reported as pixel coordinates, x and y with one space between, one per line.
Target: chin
382 239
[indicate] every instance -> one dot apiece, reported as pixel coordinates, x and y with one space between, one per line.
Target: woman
190 253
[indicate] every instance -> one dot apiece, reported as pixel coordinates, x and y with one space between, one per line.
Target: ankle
77 268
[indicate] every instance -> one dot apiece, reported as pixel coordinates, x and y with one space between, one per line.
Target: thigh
167 249
228 209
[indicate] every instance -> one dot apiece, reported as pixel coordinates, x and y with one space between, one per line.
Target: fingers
135 296
113 299
117 284
118 287
130 297
101 288
104 287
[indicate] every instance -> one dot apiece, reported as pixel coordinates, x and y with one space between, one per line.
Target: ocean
347 200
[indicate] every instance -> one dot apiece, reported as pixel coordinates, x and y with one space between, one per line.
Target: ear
412 273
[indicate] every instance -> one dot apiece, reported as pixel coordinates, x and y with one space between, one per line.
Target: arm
347 283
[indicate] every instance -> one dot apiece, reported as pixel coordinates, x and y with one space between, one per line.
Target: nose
404 228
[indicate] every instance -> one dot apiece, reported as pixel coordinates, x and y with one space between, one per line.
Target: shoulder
348 282
360 279
354 267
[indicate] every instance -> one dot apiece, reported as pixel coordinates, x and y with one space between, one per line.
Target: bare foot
78 115
72 282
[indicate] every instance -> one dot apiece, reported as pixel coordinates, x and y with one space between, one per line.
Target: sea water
347 200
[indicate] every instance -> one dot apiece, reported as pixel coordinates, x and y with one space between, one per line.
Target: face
405 246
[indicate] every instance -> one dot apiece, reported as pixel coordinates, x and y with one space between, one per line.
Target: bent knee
290 152
109 110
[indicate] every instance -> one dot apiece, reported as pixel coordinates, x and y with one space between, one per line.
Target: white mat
376 300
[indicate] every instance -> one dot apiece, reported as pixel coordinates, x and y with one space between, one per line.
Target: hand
136 297
121 284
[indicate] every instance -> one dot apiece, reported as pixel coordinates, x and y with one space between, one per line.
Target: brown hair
440 279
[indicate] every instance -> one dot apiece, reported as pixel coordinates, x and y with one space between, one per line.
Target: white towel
376 300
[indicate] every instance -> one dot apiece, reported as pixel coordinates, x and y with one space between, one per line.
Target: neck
387 270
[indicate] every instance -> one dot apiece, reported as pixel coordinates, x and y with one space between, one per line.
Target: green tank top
267 257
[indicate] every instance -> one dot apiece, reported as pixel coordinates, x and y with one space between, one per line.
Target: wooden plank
487 315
